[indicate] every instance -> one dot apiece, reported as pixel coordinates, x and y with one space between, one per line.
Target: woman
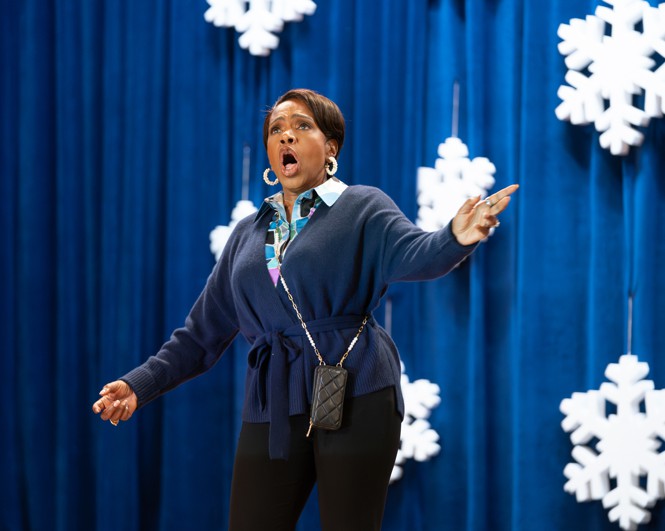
355 242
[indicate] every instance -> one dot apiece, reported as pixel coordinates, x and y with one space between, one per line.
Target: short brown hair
325 112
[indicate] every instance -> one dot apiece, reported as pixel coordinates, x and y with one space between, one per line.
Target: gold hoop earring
268 181
332 168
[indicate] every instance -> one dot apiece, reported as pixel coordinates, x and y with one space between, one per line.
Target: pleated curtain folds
122 126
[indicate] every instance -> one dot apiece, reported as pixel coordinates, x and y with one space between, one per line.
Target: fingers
469 205
500 205
487 224
499 201
504 192
508 190
97 406
475 219
491 221
106 398
118 411
118 402
117 389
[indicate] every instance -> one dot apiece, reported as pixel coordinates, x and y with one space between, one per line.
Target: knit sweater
337 274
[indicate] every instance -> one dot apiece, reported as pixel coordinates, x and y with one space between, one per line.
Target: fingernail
116 403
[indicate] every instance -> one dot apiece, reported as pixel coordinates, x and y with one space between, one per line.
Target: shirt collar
328 191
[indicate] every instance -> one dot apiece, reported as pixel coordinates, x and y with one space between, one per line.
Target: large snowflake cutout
219 236
607 72
454 179
257 20
418 440
627 443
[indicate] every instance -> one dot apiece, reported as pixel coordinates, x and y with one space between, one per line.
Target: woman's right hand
118 402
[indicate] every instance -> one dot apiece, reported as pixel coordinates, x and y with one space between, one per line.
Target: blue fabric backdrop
121 136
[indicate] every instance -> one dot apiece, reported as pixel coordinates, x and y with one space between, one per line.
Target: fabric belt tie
270 355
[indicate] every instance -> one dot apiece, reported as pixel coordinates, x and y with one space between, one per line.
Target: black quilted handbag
328 397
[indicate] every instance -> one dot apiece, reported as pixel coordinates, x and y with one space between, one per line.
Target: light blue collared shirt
281 232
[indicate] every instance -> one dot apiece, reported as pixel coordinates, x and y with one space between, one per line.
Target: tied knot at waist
270 355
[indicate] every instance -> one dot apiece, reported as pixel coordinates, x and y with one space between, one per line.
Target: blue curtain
121 138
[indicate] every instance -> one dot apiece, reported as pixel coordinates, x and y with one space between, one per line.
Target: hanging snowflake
220 234
627 443
606 72
257 22
418 440
453 180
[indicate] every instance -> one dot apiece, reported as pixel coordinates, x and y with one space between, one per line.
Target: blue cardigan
337 269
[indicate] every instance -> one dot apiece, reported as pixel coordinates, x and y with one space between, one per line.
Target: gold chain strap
309 336
302 322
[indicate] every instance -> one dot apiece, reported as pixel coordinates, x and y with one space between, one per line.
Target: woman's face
297 149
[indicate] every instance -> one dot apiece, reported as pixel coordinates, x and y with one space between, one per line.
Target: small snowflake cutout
418 440
257 20
607 72
628 443
454 179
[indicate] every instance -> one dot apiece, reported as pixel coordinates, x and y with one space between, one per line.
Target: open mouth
289 162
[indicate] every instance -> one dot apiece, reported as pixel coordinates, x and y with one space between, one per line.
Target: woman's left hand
474 220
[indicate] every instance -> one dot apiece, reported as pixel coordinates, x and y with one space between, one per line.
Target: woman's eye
303 126
274 130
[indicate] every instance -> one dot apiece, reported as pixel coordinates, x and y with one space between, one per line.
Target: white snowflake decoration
418 440
257 20
454 179
620 67
220 234
628 443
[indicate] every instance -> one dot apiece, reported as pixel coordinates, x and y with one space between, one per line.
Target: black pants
351 467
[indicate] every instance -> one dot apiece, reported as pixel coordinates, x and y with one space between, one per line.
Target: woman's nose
287 138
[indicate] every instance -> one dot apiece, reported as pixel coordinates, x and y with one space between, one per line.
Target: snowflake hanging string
257 22
628 443
454 179
607 72
418 440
